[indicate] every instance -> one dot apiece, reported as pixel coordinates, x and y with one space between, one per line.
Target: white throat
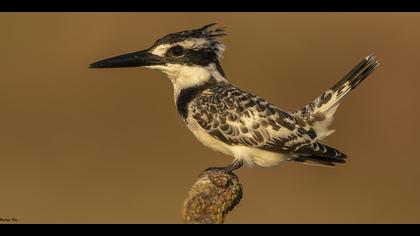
185 76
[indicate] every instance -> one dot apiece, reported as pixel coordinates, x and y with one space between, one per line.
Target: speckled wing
236 117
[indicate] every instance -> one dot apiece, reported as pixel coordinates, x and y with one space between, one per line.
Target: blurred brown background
107 146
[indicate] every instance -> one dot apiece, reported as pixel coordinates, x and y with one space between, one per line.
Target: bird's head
187 57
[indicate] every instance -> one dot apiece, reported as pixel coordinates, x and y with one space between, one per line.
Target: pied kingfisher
232 121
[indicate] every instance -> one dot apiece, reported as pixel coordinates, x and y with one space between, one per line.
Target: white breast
207 139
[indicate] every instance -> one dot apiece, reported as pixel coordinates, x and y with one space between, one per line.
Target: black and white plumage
235 122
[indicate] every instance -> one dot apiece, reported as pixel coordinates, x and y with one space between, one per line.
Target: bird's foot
227 169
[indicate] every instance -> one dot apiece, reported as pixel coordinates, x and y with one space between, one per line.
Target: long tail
319 113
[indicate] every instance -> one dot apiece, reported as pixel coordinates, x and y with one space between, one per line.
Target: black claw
227 169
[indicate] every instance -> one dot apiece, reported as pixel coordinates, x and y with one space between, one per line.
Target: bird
235 122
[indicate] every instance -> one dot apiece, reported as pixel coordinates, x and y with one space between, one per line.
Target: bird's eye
177 50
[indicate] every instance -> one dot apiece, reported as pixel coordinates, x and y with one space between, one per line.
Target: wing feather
236 117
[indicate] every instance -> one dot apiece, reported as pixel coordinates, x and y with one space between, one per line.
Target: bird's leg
236 164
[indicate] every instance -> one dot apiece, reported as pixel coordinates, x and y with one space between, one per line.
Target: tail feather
319 113
319 154
319 161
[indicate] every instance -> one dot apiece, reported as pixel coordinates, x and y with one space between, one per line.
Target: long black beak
134 59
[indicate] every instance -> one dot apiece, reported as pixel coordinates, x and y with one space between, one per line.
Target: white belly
250 156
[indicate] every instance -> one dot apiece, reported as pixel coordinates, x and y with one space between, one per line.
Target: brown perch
214 194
